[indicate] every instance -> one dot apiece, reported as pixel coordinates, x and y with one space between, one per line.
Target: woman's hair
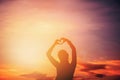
63 55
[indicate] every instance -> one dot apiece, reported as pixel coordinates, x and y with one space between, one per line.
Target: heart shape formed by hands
60 41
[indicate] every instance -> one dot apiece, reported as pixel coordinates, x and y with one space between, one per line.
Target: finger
63 38
56 41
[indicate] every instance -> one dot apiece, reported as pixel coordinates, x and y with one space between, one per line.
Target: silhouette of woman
65 70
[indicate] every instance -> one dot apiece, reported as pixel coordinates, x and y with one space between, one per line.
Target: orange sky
31 27
83 69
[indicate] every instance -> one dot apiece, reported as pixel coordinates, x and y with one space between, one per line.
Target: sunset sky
29 27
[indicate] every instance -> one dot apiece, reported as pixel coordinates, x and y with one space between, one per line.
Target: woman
65 70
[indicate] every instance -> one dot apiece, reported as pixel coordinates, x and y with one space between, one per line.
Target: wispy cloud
38 76
104 70
89 67
111 67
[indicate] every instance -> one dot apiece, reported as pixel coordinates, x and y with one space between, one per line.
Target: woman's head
63 55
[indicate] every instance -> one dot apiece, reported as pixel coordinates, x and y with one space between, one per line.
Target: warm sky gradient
29 27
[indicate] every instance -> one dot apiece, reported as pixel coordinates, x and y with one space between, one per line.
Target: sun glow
27 41
30 29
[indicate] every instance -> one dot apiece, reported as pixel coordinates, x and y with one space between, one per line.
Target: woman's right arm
50 57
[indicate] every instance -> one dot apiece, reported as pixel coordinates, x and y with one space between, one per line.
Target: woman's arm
52 60
74 59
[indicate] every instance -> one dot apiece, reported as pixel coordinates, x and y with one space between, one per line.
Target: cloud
100 75
108 68
114 77
89 67
38 76
102 70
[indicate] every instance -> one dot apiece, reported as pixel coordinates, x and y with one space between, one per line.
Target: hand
64 39
57 41
61 41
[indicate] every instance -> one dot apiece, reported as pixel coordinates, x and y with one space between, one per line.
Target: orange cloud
109 67
38 76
